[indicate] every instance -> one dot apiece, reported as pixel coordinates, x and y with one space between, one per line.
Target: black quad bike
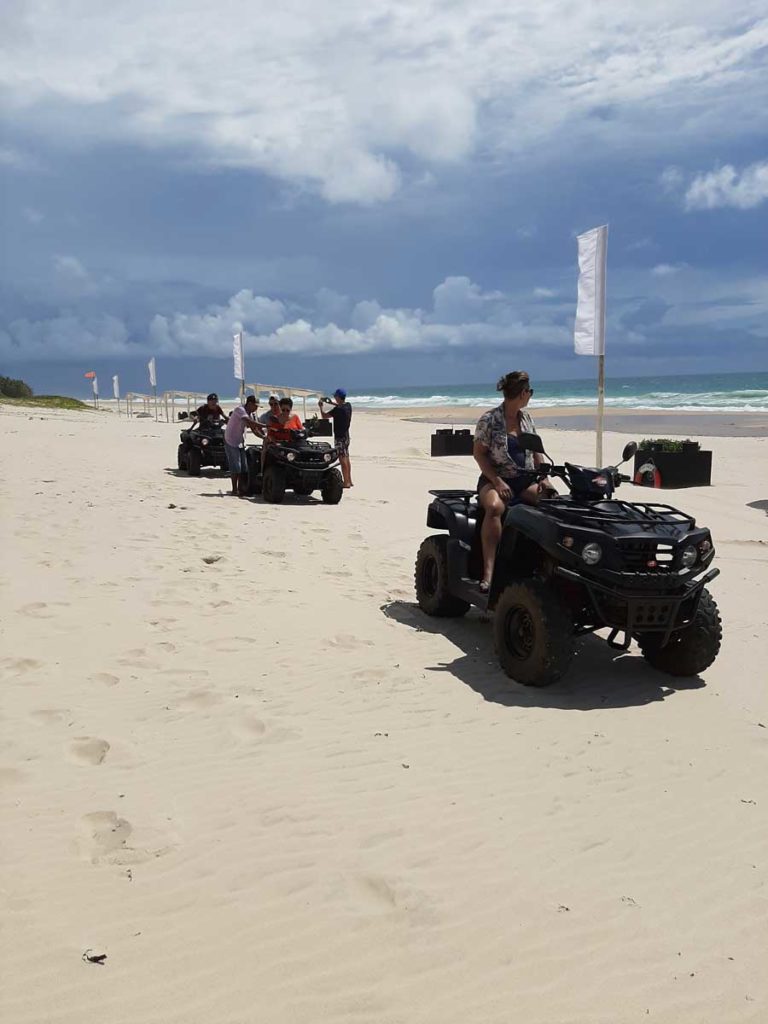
572 565
298 465
202 446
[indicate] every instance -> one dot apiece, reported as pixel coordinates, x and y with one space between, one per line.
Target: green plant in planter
666 444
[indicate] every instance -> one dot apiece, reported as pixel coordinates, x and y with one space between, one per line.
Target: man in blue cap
341 414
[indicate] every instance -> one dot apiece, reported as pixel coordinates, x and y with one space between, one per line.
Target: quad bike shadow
599 678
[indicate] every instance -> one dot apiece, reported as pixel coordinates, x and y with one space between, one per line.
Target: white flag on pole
116 387
95 387
152 372
589 330
237 352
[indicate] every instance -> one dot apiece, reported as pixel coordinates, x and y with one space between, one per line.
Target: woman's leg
491 531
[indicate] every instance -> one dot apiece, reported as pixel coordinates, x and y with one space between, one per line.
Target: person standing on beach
341 414
241 419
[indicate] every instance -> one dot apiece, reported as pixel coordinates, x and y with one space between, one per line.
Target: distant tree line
10 388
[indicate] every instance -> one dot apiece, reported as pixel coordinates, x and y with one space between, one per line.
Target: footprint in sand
250 727
200 699
20 666
88 750
232 644
349 642
107 836
50 716
41 610
105 678
10 776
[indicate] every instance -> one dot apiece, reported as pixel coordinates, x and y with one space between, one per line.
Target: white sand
271 791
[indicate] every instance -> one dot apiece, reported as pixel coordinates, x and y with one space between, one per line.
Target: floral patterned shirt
491 431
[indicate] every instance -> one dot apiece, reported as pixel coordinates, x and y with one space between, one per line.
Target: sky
379 194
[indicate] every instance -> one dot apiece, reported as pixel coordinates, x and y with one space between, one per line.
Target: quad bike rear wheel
194 462
533 633
431 579
273 484
181 461
332 487
691 650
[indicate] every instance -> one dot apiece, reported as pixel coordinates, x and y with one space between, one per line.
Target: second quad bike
200 446
575 564
298 465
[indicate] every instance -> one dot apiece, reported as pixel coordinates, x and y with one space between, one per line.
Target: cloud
351 100
462 315
32 215
726 186
544 293
667 269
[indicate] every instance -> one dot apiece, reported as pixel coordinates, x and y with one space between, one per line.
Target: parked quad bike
201 446
297 465
572 565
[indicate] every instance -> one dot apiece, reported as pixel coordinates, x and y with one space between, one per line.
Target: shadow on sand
761 506
599 676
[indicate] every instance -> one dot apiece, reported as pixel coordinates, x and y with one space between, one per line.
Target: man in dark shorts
341 414
211 412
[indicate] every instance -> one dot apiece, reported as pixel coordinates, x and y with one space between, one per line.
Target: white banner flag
116 387
95 387
237 352
152 372
589 330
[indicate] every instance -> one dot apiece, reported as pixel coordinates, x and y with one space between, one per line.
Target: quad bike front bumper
637 612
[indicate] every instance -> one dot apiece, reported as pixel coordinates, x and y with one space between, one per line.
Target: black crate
674 469
322 428
452 442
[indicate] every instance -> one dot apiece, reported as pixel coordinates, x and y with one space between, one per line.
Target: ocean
717 392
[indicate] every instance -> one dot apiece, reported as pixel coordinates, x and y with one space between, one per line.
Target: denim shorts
238 463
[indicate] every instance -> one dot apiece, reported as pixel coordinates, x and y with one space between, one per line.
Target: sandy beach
239 761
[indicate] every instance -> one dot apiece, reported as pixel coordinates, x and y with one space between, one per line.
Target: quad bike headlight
204 441
689 556
327 457
291 456
591 553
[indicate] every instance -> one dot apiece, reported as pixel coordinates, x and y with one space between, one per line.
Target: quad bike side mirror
531 443
629 451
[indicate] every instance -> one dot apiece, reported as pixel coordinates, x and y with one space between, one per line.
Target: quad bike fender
524 524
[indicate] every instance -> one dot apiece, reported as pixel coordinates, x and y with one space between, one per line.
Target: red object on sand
91 374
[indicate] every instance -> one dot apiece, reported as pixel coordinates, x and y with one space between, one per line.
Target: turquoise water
729 392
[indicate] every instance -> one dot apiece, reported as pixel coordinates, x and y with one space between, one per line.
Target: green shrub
665 444
11 388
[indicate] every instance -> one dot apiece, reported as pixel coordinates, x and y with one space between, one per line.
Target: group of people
275 424
505 467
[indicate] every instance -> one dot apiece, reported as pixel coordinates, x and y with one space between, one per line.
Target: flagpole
600 409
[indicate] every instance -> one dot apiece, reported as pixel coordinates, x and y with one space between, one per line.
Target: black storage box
673 469
321 428
452 442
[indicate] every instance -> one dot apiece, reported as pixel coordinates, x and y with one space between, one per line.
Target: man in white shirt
241 419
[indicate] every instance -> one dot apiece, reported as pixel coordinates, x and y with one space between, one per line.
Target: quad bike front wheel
431 579
181 462
194 462
273 485
691 650
533 633
332 487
